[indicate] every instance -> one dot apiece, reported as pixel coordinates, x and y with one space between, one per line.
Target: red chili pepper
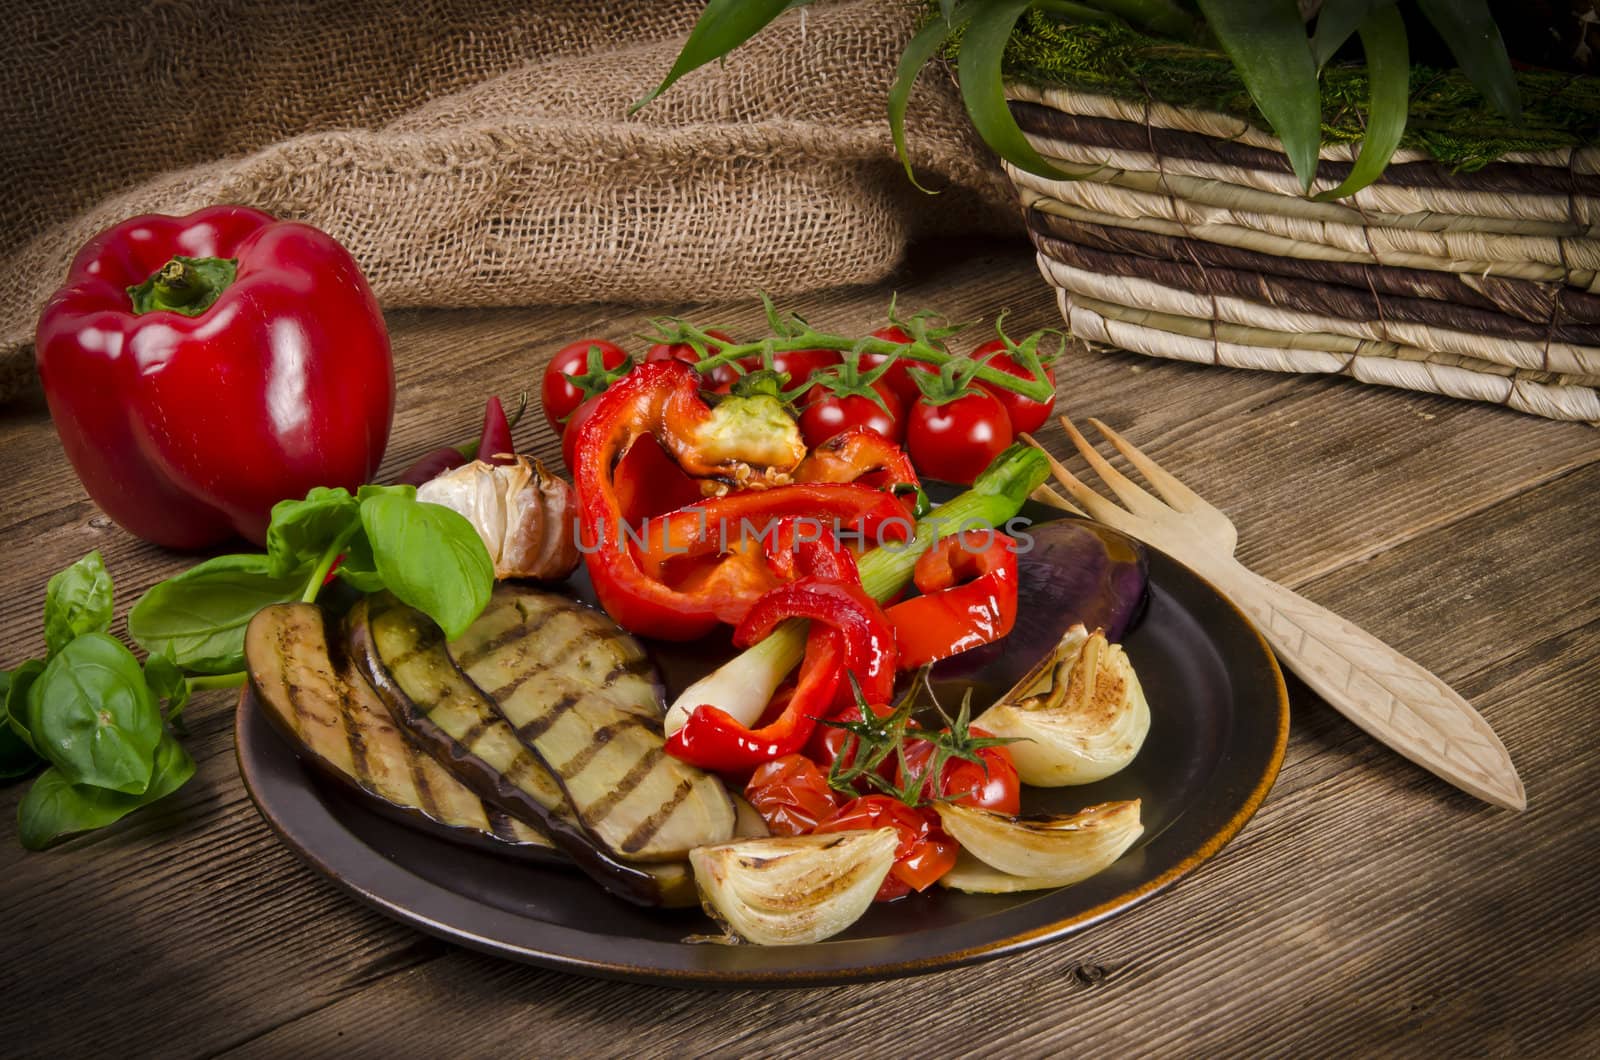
949 618
431 465
494 442
849 633
200 369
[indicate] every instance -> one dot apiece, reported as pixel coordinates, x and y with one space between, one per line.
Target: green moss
1448 118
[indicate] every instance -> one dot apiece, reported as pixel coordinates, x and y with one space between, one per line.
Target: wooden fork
1395 700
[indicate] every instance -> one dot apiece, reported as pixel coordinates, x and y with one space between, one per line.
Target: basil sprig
104 725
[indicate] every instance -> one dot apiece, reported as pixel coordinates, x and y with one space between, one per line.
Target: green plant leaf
1337 21
978 68
301 530
722 27
430 557
77 600
1266 39
55 808
16 755
16 700
1158 16
167 684
1383 37
197 619
93 717
923 46
1469 29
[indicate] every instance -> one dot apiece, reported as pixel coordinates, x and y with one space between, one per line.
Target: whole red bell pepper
849 634
200 369
968 583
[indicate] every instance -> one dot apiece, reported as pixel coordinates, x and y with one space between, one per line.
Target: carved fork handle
1394 699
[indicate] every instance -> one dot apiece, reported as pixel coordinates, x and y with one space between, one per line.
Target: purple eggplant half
1068 571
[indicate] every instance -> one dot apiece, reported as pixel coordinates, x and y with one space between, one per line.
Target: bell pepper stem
184 285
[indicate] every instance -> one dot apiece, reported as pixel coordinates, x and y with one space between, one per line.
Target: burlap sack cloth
478 152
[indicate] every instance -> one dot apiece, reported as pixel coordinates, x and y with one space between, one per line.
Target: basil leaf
16 700
359 569
93 717
16 757
197 619
430 557
373 490
167 683
302 530
77 600
55 808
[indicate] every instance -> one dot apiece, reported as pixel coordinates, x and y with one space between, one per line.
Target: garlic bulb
1042 851
1079 716
523 513
792 890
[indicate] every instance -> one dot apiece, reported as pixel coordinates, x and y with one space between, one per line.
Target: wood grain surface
1368 908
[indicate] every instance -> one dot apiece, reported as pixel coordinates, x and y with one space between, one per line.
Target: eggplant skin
334 721
402 654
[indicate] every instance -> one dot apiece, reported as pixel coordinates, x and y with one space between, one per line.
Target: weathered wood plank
1310 930
1367 906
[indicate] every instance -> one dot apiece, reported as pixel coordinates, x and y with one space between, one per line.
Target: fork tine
1097 506
1045 495
1176 493
1132 495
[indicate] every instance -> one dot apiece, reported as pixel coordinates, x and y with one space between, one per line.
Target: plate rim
613 968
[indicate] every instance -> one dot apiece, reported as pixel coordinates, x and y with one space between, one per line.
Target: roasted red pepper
670 578
968 583
849 634
861 455
200 369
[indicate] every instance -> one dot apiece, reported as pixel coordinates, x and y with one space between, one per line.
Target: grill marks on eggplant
605 749
337 723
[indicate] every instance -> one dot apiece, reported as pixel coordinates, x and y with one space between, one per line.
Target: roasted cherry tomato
957 439
826 414
1026 414
989 784
561 395
791 794
925 852
829 742
718 376
897 378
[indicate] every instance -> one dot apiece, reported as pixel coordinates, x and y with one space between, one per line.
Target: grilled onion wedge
550 665
1078 716
793 890
1042 851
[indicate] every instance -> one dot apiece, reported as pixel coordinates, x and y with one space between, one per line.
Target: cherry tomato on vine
791 794
799 364
1027 415
897 377
829 742
560 394
989 784
925 852
956 440
826 414
684 352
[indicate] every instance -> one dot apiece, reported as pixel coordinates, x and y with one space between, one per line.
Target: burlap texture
478 152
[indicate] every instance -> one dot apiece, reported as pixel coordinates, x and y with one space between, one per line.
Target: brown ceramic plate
1220 718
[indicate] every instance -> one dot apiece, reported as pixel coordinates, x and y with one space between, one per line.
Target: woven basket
1186 235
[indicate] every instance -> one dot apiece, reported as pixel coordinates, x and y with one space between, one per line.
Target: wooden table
1367 907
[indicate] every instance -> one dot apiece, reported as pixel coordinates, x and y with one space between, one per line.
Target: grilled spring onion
1078 716
744 685
1006 853
570 684
792 890
402 654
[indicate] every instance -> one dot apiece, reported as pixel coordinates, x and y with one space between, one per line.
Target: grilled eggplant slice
549 664
402 653
335 721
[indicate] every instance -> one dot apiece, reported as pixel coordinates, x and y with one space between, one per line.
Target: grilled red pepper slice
799 548
861 455
968 583
200 369
849 633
